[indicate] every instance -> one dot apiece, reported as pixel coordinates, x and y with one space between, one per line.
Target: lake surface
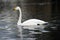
9 31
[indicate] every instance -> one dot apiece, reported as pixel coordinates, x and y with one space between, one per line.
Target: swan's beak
14 9
45 24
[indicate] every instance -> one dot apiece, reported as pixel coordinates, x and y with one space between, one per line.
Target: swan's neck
20 17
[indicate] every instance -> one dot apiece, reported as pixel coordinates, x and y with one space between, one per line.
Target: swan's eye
38 24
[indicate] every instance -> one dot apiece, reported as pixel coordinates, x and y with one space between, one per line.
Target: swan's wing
33 22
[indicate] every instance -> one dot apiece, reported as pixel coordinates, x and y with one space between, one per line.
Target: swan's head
16 8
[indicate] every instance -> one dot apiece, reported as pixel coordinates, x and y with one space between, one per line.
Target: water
9 31
20 30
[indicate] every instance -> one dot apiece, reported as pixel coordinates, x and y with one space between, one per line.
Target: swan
29 22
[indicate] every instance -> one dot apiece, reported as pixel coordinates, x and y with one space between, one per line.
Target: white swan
28 22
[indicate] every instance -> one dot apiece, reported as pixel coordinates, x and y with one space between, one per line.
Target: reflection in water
10 32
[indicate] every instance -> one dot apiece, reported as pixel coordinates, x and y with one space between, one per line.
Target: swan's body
28 22
33 22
